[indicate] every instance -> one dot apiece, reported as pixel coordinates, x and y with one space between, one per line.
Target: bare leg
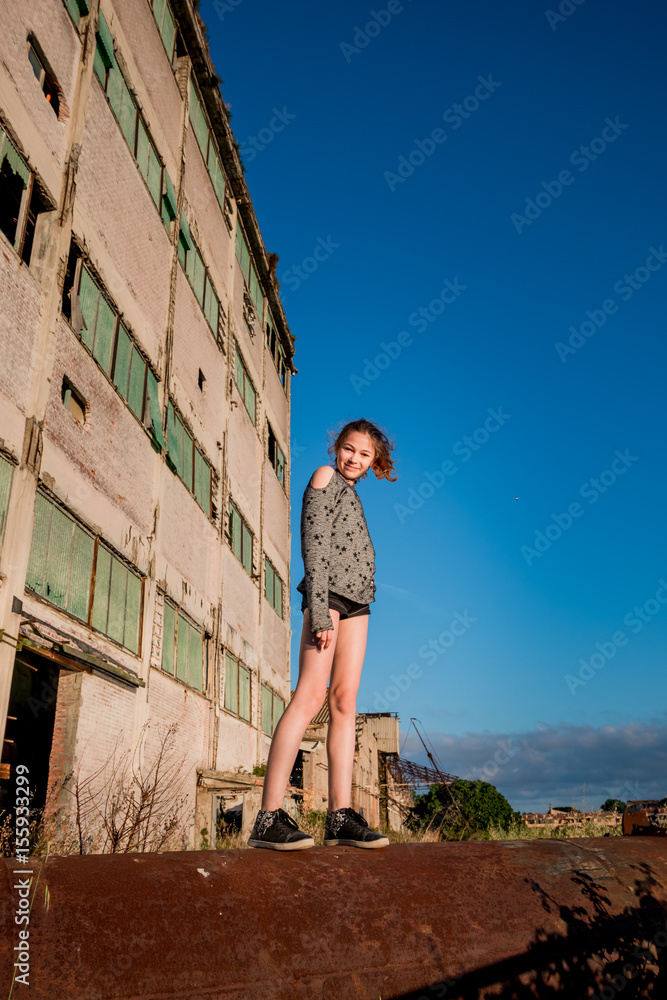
314 670
345 678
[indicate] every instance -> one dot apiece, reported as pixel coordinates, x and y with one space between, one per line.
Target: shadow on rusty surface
580 963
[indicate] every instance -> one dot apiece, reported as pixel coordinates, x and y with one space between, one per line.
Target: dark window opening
296 777
15 181
201 380
45 78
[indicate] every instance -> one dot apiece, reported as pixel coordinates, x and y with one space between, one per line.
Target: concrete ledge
570 918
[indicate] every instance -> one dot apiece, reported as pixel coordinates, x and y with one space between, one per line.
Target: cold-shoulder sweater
336 547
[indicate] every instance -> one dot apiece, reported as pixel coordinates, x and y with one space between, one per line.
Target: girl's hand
323 639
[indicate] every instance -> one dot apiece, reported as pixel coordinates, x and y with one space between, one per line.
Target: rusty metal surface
541 918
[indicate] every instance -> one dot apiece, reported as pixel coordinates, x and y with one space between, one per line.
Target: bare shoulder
321 477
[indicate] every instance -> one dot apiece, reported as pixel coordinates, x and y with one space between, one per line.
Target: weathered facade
144 409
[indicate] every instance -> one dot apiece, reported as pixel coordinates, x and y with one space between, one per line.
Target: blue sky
503 171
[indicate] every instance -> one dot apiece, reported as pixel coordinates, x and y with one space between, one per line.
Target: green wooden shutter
154 407
182 649
81 571
135 396
38 548
102 582
266 710
247 547
244 693
168 638
133 613
6 471
121 374
231 684
195 659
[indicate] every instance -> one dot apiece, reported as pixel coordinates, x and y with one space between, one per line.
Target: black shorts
347 608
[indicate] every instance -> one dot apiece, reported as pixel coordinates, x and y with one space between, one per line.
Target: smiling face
355 456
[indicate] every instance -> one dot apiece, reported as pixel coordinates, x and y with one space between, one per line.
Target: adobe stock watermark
614 985
224 7
294 276
635 621
565 10
582 157
591 491
490 768
378 21
464 448
419 320
454 116
429 651
625 287
255 144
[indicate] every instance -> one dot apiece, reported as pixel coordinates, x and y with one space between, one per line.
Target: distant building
144 408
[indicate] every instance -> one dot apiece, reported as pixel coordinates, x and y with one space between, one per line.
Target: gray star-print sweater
336 547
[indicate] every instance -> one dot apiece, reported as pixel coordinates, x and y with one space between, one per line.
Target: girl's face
355 456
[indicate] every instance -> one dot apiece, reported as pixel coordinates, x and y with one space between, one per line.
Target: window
15 185
65 560
132 124
198 276
244 385
44 77
77 9
6 471
272 708
276 349
97 324
117 601
276 456
206 142
249 272
240 538
187 461
237 688
182 648
74 402
61 560
273 587
166 26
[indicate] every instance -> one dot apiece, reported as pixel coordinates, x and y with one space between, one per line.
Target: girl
338 586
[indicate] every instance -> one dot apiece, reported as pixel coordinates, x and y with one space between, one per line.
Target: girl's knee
343 701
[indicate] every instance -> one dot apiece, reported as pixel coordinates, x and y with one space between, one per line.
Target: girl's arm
316 525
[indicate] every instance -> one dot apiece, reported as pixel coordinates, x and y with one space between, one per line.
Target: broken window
77 9
61 559
44 77
273 587
276 456
240 537
6 471
244 385
248 271
74 402
15 184
117 601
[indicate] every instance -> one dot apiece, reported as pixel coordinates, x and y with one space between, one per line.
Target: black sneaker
277 830
347 827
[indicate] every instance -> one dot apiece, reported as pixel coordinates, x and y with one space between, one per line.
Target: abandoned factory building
144 410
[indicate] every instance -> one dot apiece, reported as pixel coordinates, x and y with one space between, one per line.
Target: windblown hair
382 464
